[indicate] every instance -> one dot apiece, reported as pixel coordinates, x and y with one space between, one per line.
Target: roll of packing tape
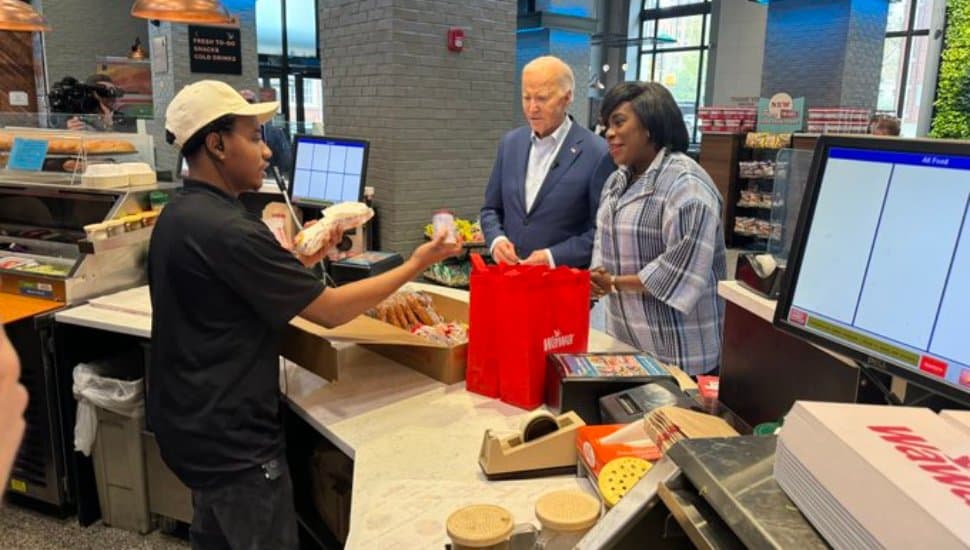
538 424
619 475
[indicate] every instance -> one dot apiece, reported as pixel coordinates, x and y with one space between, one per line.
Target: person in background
883 125
13 403
275 138
659 249
223 290
106 118
542 196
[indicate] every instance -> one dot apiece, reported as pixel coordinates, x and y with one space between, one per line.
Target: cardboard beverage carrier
308 344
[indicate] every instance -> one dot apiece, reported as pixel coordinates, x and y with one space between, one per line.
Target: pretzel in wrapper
398 318
420 310
415 313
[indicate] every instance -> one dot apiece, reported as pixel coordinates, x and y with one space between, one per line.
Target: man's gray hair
551 63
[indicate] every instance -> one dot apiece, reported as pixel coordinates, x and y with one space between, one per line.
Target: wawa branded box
309 345
869 476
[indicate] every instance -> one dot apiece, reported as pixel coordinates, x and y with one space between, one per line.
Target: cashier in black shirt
222 292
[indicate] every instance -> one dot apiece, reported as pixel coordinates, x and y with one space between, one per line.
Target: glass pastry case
45 251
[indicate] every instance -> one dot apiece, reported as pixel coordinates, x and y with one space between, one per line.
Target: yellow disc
619 476
479 526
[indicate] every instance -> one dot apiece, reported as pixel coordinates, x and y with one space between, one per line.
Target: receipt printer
630 405
363 266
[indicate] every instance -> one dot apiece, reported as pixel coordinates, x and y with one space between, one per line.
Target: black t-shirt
222 292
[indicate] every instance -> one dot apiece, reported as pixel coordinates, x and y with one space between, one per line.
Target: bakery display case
75 157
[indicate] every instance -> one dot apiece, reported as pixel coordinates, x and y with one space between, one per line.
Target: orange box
595 454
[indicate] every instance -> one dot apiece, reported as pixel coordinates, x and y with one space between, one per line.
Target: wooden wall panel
17 70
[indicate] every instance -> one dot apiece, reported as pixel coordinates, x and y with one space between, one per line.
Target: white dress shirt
542 154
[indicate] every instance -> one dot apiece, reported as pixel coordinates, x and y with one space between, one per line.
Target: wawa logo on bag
945 470
557 340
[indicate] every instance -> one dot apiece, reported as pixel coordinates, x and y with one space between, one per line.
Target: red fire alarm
456 39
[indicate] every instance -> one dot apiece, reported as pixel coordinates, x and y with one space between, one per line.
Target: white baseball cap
204 101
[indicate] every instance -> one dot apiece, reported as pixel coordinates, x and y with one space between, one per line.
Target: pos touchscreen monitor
880 263
327 170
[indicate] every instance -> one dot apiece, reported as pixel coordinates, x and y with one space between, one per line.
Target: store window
904 60
675 38
296 75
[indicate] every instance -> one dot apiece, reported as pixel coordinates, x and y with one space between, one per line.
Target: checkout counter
413 441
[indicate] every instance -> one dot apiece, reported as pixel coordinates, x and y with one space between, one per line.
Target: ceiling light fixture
183 11
16 15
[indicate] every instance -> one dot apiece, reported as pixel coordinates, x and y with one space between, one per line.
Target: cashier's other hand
600 284
13 402
504 252
75 124
436 250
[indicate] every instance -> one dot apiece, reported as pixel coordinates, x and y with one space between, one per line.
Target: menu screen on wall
885 267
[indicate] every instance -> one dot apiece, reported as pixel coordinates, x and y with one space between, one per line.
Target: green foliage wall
952 118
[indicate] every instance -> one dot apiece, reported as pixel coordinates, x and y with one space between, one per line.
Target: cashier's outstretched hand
13 402
436 250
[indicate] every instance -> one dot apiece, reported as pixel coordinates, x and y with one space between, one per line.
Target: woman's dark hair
195 143
656 109
886 123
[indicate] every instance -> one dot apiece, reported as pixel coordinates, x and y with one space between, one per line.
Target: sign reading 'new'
214 50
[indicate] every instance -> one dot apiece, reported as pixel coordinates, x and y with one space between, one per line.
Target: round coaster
479 525
568 510
619 476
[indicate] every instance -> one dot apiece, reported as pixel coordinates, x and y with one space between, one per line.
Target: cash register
328 170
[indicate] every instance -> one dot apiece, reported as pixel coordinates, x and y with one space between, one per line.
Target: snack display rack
753 196
456 272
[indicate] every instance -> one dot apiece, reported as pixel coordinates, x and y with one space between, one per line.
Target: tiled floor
23 529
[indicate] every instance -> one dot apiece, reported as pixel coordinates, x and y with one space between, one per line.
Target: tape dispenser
544 446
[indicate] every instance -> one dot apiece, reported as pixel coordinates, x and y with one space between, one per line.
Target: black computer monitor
880 263
327 170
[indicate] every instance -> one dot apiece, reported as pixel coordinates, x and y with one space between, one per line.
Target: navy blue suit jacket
563 214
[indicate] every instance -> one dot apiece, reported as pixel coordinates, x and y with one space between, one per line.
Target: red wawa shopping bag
518 315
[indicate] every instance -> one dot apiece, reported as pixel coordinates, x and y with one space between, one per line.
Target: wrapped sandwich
345 216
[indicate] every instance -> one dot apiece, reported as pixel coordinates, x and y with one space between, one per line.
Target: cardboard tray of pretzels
394 329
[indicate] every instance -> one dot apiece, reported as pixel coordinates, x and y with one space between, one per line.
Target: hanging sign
781 114
214 50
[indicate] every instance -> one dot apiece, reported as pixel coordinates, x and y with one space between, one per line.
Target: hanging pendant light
183 11
16 15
